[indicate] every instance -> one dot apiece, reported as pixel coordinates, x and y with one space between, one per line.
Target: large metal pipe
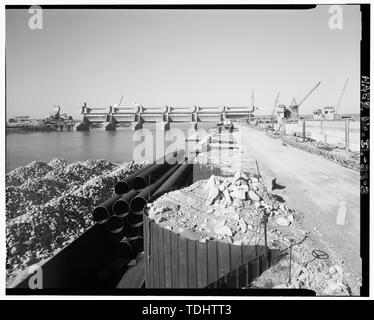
115 224
125 186
175 180
143 179
123 248
138 244
132 229
134 220
121 207
103 211
140 201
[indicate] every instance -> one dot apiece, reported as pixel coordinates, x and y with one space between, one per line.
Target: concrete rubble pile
231 210
226 209
44 214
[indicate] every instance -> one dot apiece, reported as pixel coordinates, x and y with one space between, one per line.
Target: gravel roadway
327 194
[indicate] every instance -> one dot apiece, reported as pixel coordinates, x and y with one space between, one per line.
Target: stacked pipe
125 224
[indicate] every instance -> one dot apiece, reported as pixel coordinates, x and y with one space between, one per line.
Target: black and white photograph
187 150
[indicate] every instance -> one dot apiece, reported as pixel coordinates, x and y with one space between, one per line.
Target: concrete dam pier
136 115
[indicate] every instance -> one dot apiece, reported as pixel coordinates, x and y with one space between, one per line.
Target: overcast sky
180 58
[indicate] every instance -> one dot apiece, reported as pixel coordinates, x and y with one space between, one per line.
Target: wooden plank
248 253
154 256
134 277
202 265
242 275
212 261
192 264
146 251
221 283
224 258
256 268
262 264
252 270
183 265
167 258
236 257
231 279
161 265
174 260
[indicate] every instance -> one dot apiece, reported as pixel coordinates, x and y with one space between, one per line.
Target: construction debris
228 209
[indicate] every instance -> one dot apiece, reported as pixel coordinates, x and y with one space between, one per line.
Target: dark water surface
115 146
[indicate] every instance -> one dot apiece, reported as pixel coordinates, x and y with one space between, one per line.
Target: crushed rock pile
226 209
52 207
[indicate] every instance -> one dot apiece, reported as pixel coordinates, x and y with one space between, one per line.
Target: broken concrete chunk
237 176
237 203
253 195
243 225
210 210
211 182
238 194
213 193
223 230
283 222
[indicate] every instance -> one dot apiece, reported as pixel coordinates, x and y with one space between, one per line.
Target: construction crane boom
341 96
309 93
275 104
120 100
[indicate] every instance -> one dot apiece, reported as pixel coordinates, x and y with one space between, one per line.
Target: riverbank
49 205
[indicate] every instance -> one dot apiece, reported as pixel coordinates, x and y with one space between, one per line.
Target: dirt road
327 194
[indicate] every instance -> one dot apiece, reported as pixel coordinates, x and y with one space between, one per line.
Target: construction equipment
57 118
225 124
294 106
275 104
253 100
341 96
120 100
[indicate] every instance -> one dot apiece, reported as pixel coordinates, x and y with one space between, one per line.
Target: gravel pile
227 209
49 211
35 169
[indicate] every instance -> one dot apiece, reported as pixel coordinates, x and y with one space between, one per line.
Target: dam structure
135 115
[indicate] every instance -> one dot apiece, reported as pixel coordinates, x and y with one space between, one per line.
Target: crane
341 96
294 107
120 100
253 100
308 94
275 104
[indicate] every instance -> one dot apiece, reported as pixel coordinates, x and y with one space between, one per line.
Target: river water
115 146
